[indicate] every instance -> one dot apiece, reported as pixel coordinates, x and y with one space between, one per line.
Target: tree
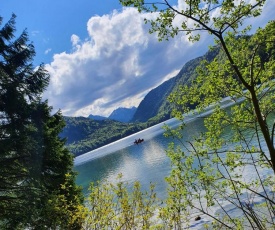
34 161
202 15
208 170
120 207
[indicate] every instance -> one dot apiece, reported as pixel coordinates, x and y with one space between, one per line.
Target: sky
100 55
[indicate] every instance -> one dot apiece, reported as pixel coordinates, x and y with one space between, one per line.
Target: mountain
97 117
149 106
155 103
120 114
123 114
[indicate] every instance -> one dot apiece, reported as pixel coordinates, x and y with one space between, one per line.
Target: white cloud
116 65
48 51
75 39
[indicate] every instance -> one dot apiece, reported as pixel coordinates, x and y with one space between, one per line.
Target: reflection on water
146 162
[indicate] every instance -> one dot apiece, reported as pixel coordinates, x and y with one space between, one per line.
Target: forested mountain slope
150 105
155 103
85 134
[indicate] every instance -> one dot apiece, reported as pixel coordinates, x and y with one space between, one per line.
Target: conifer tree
34 164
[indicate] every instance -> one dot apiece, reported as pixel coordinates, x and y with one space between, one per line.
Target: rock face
123 114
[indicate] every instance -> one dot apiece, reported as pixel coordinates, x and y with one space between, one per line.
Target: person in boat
138 141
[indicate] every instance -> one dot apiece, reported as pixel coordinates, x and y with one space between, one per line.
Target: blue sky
50 23
100 56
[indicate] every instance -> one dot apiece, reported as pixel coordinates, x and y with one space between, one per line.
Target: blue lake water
146 162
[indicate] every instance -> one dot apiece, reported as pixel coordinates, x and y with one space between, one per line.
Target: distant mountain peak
97 117
123 114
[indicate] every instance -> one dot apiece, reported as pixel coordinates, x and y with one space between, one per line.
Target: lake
146 162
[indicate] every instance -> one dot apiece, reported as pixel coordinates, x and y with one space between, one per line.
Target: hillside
97 117
119 114
150 105
155 103
84 134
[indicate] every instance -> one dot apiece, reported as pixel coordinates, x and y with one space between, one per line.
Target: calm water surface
146 162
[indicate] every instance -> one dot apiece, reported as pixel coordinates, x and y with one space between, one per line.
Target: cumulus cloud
116 65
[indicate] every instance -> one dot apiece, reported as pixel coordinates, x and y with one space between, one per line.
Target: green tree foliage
224 165
34 162
118 207
234 142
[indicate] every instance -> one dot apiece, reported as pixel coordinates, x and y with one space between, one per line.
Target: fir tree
35 165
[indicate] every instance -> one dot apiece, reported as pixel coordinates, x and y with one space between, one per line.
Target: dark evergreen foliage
34 162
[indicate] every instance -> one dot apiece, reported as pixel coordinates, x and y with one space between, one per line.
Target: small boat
138 141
